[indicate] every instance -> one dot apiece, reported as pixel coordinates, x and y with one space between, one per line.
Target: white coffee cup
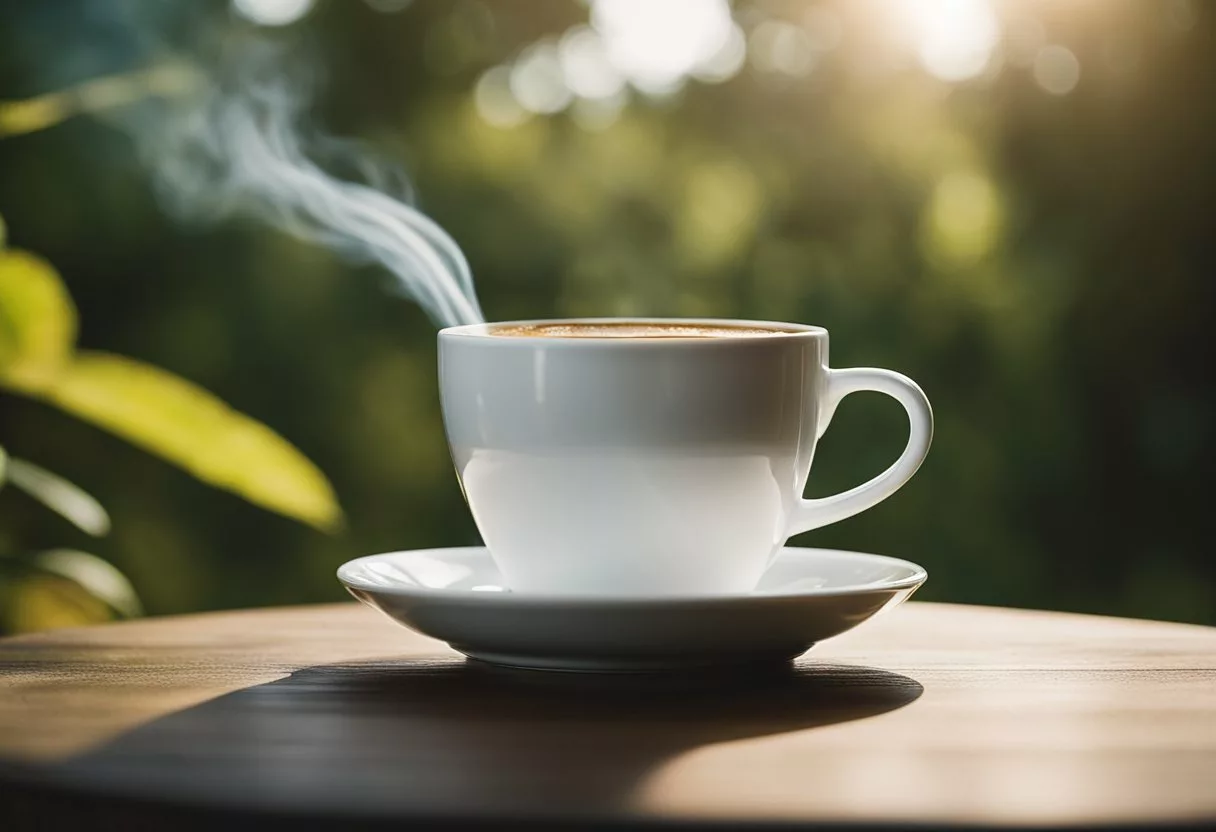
651 466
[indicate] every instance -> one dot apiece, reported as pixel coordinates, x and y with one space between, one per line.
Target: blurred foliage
178 421
57 494
92 96
1039 261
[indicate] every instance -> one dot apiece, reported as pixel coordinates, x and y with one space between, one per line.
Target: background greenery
1041 263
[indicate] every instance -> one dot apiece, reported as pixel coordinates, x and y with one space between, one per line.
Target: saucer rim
912 582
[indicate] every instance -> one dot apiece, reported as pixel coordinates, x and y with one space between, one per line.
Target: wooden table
308 716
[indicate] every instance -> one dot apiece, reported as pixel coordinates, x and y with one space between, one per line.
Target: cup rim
784 330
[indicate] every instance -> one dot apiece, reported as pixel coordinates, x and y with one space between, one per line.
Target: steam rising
222 152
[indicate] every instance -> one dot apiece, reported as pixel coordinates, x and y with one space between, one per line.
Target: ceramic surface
651 466
459 596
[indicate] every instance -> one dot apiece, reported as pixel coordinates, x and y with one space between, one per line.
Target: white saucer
458 596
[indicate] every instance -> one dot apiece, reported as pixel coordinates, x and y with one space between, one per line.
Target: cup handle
811 514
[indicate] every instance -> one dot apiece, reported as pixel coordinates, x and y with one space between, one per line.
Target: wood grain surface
932 715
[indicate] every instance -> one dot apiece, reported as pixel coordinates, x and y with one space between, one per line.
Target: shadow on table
382 738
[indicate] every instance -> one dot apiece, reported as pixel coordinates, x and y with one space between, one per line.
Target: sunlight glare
656 45
954 39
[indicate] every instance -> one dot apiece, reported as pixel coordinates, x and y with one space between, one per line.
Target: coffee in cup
629 329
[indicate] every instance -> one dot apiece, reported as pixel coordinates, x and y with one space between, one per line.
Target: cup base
674 663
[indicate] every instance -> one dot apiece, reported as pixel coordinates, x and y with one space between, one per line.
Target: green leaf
62 588
59 495
102 580
149 407
37 322
41 601
188 426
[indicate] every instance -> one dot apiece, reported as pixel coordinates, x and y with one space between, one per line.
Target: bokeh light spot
1057 70
273 12
965 217
726 62
657 44
537 80
722 205
495 102
783 48
585 65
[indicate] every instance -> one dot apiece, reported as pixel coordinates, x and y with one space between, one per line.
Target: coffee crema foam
634 329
